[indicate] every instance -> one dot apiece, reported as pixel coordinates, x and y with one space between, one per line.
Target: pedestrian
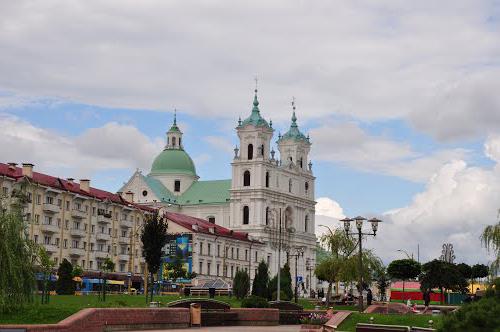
427 299
369 297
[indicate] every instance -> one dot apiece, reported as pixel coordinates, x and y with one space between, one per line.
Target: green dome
173 161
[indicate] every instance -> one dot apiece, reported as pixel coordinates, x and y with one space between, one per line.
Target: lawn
390 319
62 306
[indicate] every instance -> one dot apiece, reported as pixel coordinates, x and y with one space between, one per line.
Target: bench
335 321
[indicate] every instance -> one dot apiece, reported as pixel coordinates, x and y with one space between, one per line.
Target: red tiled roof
204 226
16 173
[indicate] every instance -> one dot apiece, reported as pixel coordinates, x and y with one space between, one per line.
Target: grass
62 306
390 319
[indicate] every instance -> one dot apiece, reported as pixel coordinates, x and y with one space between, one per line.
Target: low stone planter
311 328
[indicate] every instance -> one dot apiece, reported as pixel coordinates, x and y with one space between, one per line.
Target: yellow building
72 220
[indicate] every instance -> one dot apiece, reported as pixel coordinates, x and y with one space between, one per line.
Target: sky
400 98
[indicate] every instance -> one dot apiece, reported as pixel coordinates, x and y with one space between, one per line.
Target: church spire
174 135
255 118
174 127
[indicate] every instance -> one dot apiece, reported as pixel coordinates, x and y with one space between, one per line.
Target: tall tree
491 240
17 275
285 285
261 281
442 275
479 271
241 284
65 284
154 238
329 270
46 265
106 267
404 269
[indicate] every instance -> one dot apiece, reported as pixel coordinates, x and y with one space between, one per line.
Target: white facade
261 186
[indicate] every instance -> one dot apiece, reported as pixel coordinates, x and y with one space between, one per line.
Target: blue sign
300 279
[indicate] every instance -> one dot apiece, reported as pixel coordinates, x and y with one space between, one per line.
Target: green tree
106 267
65 284
491 240
46 265
382 283
329 270
442 275
17 274
153 238
261 281
241 284
404 269
285 285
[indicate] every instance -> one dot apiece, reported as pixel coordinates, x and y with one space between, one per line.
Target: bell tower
174 136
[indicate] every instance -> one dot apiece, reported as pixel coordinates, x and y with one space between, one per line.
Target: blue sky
400 99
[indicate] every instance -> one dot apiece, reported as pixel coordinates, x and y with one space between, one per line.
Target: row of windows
247 178
235 254
246 217
225 271
77 244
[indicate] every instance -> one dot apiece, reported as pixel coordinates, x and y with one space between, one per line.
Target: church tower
249 167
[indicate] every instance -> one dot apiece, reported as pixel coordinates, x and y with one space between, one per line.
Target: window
208 268
122 267
49 199
209 249
262 150
267 215
5 191
67 205
218 269
201 268
300 163
218 250
173 141
246 178
37 219
267 179
237 253
306 187
211 220
144 193
177 186
232 253
290 185
256 256
91 264
246 254
180 140
201 248
232 271
38 199
246 215
306 222
65 243
268 260
35 238
250 152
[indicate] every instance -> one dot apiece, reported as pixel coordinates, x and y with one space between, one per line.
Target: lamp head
374 222
359 222
347 224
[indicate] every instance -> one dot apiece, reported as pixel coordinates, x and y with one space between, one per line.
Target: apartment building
75 221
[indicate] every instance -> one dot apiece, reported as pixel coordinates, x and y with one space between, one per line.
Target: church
270 196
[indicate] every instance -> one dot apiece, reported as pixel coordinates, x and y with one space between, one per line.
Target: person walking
369 297
427 299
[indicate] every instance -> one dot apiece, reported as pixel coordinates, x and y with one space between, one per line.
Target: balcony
51 248
102 237
76 252
49 228
51 208
126 223
123 240
79 214
77 232
102 219
123 257
101 254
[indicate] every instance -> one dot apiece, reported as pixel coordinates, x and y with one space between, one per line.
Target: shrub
261 280
241 284
283 296
483 316
65 284
254 302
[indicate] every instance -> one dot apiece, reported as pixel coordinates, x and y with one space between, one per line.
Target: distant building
75 221
264 189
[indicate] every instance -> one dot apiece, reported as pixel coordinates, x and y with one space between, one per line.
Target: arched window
306 223
290 185
262 150
250 152
300 162
246 215
173 141
267 179
306 187
180 138
267 215
246 178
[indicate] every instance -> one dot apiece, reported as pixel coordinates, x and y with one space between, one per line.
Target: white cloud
112 146
220 143
348 144
356 58
328 213
492 148
458 202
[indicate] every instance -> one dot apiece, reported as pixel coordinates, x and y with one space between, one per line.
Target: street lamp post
310 268
406 253
359 226
299 252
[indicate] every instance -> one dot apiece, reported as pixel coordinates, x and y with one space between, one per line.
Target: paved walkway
280 328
